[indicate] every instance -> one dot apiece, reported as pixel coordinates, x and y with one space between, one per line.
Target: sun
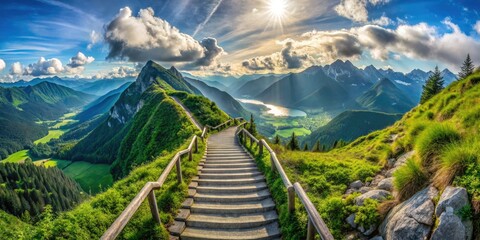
277 8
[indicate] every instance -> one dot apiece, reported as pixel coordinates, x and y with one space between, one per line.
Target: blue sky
232 36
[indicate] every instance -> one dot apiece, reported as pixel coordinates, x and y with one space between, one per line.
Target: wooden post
251 142
196 145
260 147
179 169
311 232
190 157
153 207
272 163
291 199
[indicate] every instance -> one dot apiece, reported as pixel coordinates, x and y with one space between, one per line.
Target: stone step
266 232
227 158
229 208
228 165
215 161
227 189
231 221
236 197
228 182
228 170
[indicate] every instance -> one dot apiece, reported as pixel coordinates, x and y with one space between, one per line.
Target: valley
239 120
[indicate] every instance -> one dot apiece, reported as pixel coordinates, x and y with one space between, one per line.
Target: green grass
51 135
409 179
285 133
51 162
17 157
432 140
91 177
62 123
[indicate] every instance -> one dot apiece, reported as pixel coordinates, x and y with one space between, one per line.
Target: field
91 177
285 133
53 163
19 156
51 135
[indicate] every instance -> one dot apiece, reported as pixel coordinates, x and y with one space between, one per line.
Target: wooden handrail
148 190
315 221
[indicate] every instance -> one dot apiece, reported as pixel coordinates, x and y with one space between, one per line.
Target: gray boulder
378 195
412 219
363 190
450 227
356 185
377 238
351 220
386 184
454 197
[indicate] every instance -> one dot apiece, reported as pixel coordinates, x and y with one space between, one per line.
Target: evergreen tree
293 143
432 86
305 147
252 128
467 68
277 140
317 147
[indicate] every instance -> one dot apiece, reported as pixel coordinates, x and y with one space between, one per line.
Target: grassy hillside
350 125
384 96
223 100
20 107
160 126
444 134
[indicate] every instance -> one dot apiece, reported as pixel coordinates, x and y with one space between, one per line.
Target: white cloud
147 37
118 72
383 21
355 10
419 42
16 68
477 27
2 65
94 38
80 60
51 66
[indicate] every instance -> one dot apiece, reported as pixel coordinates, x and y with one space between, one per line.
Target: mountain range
22 107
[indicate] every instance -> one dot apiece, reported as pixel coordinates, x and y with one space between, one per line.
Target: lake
275 110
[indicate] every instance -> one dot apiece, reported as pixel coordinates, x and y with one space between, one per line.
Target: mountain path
189 114
229 199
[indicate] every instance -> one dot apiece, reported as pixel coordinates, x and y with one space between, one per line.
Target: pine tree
317 147
252 128
432 86
277 140
467 68
305 147
293 143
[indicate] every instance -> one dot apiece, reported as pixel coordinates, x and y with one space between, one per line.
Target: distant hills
21 107
224 101
94 87
350 125
386 97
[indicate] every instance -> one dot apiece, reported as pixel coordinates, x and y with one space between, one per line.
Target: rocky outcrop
386 184
451 226
412 219
378 195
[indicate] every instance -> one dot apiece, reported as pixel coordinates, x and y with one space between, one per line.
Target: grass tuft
432 141
454 161
409 179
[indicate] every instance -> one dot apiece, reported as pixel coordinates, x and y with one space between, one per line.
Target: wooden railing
148 190
315 221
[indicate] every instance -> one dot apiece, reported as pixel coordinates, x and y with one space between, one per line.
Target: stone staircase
229 199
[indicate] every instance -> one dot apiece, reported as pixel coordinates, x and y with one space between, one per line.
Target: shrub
471 118
454 161
367 215
431 142
409 179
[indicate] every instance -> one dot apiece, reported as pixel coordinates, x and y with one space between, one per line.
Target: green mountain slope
350 125
102 104
384 96
311 89
20 107
224 101
255 87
